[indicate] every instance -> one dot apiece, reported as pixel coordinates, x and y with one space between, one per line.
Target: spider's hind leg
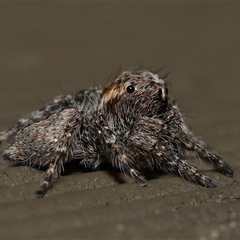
50 142
49 177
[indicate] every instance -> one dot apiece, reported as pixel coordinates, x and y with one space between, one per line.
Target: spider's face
137 92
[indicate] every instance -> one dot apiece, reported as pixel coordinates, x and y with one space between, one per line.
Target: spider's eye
130 89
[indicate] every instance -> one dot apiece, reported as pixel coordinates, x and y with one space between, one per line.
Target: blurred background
48 49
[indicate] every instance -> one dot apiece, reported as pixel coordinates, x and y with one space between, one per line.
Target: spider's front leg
117 153
160 149
209 156
192 143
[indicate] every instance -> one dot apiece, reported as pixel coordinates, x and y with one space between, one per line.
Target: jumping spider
132 123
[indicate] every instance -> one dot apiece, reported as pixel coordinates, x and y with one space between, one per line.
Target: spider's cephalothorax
135 94
132 123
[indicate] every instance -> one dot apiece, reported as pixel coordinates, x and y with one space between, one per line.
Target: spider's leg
50 142
184 136
87 149
118 154
86 100
144 136
125 162
55 105
191 173
209 156
172 163
49 177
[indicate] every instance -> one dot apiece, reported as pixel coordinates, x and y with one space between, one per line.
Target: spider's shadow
76 166
120 178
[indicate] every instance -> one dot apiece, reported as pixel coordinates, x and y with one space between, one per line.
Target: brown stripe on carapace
113 90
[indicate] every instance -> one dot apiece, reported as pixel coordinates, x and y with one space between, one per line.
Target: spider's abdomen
45 141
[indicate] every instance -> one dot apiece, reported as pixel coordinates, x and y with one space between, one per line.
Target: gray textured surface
51 48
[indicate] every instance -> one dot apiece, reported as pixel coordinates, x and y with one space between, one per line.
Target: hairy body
131 123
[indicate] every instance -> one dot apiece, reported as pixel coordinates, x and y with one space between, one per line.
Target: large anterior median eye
130 89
